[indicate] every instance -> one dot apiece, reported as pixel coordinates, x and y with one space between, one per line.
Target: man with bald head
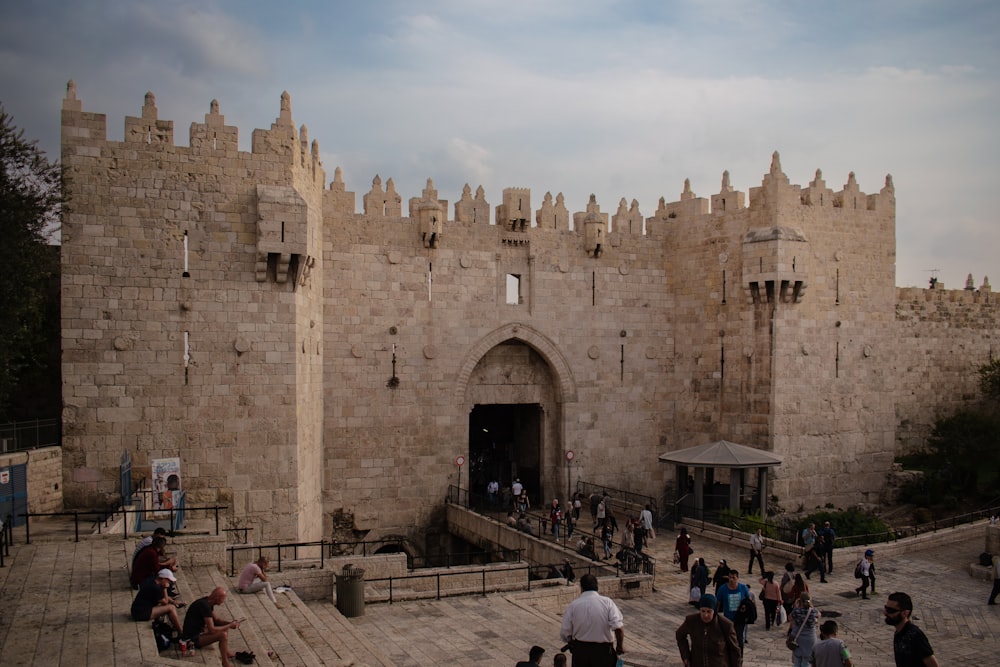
203 627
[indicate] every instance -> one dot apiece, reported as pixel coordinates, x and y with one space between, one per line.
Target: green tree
965 447
30 202
989 379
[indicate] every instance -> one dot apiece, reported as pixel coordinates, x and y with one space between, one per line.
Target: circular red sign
570 455
460 461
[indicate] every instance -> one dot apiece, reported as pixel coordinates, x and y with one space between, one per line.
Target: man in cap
534 657
593 627
152 600
707 638
867 578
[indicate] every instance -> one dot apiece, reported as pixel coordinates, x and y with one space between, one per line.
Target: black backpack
164 634
747 611
985 559
857 570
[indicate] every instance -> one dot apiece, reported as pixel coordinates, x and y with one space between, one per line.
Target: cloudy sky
617 98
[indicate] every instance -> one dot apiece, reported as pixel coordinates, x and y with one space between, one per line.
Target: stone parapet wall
44 477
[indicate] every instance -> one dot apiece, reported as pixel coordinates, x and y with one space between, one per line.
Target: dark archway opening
505 443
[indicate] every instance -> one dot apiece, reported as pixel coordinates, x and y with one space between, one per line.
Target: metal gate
14 493
125 479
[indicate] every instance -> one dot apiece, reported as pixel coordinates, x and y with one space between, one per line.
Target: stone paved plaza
67 603
949 606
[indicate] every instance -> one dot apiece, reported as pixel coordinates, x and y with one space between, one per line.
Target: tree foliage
962 463
989 379
853 526
30 202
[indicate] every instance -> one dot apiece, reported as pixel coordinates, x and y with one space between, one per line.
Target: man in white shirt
516 488
646 519
492 489
756 549
593 627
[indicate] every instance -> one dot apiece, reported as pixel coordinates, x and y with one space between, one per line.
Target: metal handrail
483 571
103 517
327 547
173 513
478 504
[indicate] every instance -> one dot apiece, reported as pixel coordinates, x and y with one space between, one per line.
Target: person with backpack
787 584
863 571
730 596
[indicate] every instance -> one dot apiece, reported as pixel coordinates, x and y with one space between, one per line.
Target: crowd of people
561 523
726 605
153 575
593 631
592 627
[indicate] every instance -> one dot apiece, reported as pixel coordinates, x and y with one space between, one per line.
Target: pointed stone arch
565 385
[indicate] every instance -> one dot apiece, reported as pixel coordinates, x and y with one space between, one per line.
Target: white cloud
622 99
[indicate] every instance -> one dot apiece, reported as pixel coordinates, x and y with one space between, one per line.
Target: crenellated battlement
84 135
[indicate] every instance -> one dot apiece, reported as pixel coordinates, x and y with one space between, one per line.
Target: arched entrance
515 384
505 443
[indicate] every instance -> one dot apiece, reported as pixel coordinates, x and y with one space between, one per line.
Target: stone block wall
179 337
307 361
942 337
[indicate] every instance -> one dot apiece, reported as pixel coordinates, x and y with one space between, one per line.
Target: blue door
14 493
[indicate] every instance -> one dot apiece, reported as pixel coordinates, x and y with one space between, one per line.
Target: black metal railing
20 436
324 550
724 523
96 519
622 501
623 560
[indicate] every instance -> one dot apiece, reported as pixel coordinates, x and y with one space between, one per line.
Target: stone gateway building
308 363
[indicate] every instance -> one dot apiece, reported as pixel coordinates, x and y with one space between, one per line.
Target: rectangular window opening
514 289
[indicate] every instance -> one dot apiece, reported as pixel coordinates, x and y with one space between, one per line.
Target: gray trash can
351 591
